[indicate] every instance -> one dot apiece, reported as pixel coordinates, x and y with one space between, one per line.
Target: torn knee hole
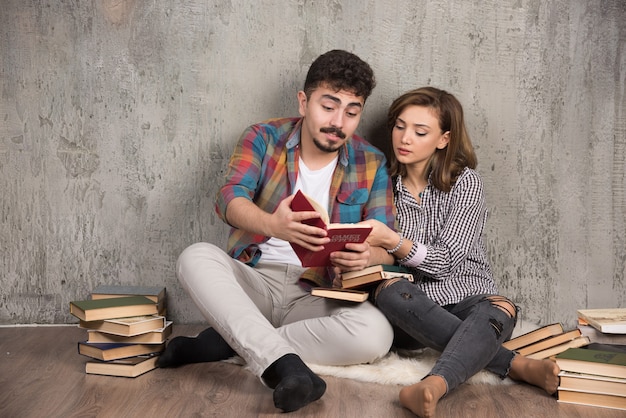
504 304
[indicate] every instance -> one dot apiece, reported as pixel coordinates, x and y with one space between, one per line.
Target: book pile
592 377
356 284
126 329
547 341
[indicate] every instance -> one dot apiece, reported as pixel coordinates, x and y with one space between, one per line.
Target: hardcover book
584 360
609 321
339 234
373 274
585 382
114 351
129 367
549 342
95 310
340 294
126 327
581 341
154 293
533 336
595 336
592 399
152 337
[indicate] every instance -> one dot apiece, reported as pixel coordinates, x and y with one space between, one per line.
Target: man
256 298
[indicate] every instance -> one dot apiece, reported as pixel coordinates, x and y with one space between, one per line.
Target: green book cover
129 290
395 268
87 305
594 356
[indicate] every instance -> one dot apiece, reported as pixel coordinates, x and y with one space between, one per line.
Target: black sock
207 346
294 384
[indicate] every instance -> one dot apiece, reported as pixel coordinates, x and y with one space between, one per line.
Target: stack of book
357 284
546 341
592 377
603 326
126 329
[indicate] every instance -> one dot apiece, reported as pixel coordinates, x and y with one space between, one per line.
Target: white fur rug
395 369
403 369
408 368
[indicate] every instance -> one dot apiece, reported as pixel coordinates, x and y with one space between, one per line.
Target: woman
453 306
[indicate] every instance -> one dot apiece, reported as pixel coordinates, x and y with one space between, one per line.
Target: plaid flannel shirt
264 167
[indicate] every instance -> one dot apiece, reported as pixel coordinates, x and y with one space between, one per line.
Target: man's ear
302 102
444 140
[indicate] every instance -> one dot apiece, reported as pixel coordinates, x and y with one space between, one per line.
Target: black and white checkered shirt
450 225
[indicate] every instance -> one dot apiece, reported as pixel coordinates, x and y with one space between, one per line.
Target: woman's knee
400 298
504 315
390 290
504 304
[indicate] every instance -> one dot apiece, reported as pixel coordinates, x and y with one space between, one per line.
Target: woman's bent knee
504 304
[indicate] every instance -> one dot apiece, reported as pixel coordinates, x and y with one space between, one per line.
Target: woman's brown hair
446 164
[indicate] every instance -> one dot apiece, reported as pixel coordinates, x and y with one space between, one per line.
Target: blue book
114 351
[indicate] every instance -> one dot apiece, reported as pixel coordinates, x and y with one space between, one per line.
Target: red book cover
339 234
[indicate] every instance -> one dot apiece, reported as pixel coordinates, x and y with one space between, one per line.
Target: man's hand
283 223
357 257
370 252
287 225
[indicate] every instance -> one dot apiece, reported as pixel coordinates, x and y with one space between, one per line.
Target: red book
339 234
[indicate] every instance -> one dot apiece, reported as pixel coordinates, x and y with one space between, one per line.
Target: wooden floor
42 375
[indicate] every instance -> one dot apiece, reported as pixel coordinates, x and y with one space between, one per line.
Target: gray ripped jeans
468 334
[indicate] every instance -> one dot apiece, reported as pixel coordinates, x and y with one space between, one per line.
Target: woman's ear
444 140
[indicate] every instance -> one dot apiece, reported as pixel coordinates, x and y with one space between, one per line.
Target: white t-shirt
314 183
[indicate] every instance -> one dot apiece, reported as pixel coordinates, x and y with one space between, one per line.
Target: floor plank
42 375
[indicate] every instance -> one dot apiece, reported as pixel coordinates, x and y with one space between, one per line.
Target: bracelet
397 247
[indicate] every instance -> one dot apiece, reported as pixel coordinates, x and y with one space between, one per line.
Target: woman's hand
381 235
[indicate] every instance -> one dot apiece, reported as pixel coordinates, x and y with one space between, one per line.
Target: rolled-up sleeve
244 170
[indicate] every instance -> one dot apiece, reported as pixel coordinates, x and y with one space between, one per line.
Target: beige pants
264 314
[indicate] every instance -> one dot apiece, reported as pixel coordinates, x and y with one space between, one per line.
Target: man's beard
329 148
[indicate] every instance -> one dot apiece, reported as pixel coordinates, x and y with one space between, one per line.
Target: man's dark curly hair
340 70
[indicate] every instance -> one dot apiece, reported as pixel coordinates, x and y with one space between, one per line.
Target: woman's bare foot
541 373
422 397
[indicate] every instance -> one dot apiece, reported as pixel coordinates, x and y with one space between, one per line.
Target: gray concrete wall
117 119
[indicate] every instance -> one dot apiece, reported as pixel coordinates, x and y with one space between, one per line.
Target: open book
339 234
